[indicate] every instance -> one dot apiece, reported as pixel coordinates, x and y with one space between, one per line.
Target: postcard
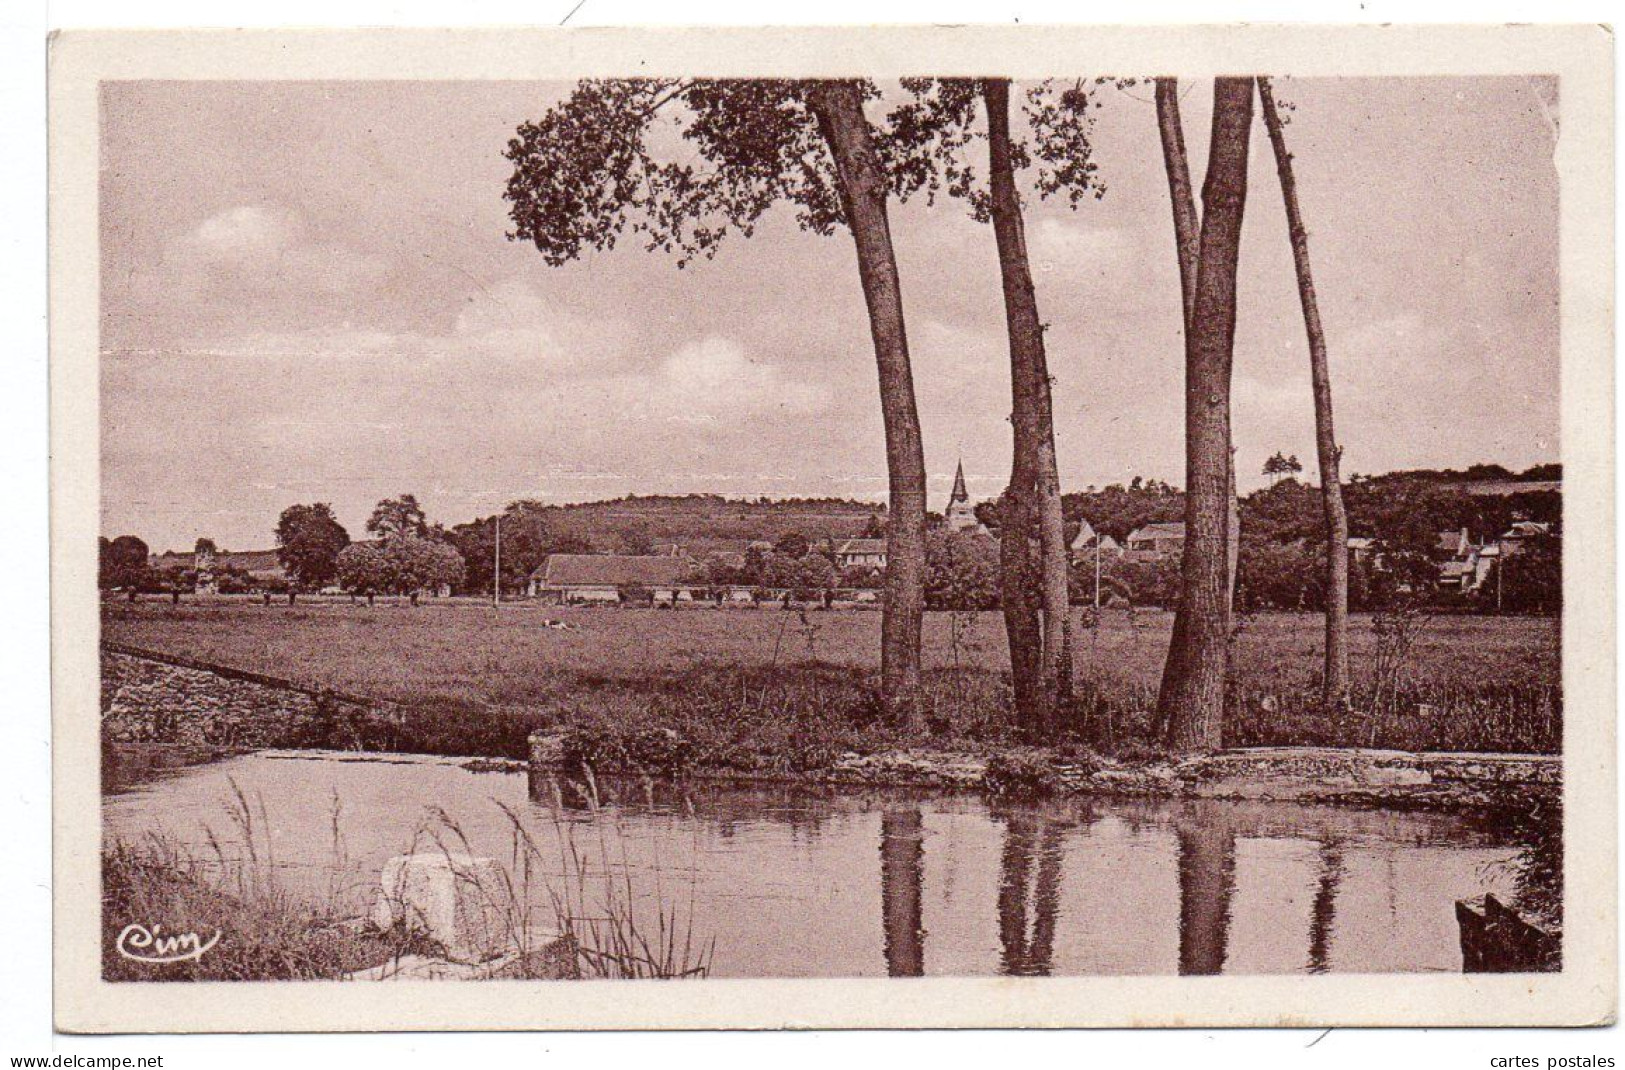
861 527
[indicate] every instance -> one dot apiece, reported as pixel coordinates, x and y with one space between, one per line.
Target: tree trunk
1018 585
1187 247
1187 232
1035 473
1331 481
1232 561
862 184
1191 705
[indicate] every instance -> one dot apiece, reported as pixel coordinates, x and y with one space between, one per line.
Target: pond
818 882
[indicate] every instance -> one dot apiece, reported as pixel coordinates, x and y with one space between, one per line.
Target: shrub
1023 773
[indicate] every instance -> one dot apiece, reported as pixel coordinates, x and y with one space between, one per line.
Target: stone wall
148 698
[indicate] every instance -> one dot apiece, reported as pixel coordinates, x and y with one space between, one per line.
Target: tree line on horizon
1280 528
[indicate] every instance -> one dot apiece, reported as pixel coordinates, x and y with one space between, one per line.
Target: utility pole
1097 572
496 569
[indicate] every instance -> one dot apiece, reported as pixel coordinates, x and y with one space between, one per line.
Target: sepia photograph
1096 518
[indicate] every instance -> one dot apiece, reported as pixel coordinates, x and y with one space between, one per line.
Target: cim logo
141 944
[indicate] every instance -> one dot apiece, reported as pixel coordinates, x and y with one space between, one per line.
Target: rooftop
612 570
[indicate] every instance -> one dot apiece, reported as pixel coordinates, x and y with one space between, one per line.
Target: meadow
786 689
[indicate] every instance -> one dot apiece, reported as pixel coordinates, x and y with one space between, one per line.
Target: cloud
716 377
515 325
1072 247
245 232
262 253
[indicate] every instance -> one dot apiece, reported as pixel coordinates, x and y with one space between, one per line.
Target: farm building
604 578
262 567
861 553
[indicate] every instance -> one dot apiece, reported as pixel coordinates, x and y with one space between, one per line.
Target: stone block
459 901
1397 776
544 955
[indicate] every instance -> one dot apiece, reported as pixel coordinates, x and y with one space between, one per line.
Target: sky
308 295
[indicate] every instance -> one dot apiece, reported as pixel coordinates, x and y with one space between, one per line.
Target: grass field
755 687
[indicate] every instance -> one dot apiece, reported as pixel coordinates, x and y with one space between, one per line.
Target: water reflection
1029 901
902 890
800 880
1323 914
1207 885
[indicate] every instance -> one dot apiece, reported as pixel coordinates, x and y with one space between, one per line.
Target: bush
1022 774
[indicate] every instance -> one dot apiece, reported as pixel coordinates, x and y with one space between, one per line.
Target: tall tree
1336 684
1187 247
526 542
587 166
1035 486
1191 704
927 141
863 189
124 564
395 518
309 539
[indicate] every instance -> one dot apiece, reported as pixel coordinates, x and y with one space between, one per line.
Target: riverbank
1312 775
165 710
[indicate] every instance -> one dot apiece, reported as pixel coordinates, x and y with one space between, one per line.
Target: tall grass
267 934
775 692
594 899
599 905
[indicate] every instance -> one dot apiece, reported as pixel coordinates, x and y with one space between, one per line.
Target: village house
1466 565
1458 565
1156 541
1087 539
1362 548
604 579
861 553
1166 540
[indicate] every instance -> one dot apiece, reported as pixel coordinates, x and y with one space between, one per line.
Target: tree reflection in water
902 890
1025 898
1323 914
1207 884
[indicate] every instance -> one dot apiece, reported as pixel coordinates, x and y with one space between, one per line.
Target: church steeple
960 494
961 516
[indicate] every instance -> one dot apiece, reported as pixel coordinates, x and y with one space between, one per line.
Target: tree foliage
309 539
592 168
961 571
405 565
396 517
123 563
527 540
1530 578
930 141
